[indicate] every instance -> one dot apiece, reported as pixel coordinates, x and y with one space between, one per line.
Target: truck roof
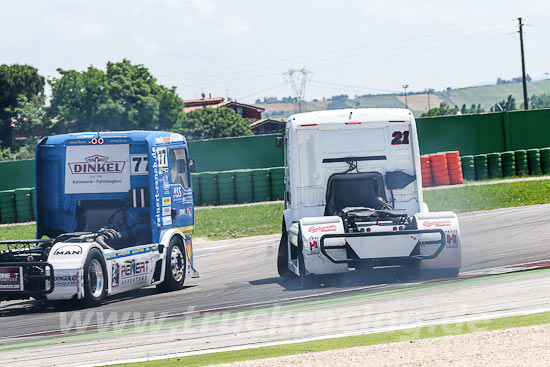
134 136
349 115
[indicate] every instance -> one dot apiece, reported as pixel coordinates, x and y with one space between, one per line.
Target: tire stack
243 186
196 184
7 206
455 167
277 178
261 184
440 170
209 188
494 165
23 204
468 168
480 163
522 168
226 187
426 169
508 164
533 161
545 160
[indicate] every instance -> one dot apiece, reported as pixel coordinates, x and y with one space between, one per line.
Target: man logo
68 250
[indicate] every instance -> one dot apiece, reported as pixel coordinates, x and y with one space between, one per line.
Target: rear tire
282 256
95 279
174 272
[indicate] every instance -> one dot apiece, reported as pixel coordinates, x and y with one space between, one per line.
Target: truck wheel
174 272
282 257
95 278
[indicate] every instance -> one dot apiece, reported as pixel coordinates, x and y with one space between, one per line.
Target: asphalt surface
238 273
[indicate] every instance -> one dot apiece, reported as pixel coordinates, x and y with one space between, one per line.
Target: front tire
174 272
95 279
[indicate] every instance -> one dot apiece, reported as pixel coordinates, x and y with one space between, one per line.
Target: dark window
179 174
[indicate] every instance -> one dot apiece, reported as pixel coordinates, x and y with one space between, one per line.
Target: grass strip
351 341
254 220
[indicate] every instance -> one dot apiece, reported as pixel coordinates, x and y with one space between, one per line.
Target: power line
298 79
524 81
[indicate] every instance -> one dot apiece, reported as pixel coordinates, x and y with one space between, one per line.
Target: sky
242 48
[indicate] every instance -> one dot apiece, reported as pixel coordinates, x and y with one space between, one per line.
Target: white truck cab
354 197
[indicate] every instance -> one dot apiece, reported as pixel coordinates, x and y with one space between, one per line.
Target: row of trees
124 96
507 104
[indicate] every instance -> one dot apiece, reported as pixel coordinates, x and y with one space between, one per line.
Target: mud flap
450 257
312 228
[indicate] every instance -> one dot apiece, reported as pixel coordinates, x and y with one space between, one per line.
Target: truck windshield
178 167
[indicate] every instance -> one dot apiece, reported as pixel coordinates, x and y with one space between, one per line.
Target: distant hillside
486 95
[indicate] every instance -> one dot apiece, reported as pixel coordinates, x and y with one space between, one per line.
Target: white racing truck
353 198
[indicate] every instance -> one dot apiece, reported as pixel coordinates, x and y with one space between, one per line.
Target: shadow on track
44 306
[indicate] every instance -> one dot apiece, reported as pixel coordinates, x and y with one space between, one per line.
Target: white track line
487 316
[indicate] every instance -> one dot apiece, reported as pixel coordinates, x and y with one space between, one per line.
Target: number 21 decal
400 138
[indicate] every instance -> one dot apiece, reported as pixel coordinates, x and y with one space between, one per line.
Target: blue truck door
181 210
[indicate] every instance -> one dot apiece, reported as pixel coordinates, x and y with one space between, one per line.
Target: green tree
508 104
17 83
210 123
442 110
542 101
123 97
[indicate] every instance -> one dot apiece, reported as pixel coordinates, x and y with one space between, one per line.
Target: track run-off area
240 301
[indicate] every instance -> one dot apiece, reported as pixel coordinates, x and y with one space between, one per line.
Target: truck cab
354 196
116 209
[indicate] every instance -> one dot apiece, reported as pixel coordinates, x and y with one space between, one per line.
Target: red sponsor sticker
327 228
437 223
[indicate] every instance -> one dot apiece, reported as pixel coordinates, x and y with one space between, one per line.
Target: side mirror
192 167
278 142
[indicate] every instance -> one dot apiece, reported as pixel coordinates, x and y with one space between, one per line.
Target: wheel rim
176 262
95 278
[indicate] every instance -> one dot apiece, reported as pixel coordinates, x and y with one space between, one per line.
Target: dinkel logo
96 164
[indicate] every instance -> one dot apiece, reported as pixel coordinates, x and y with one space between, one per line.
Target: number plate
11 279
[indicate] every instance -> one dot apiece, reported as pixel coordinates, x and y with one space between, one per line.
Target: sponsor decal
96 164
451 238
115 271
166 210
167 221
66 280
133 271
68 250
156 182
437 223
185 212
165 182
162 157
167 201
10 279
313 243
176 138
164 170
189 249
97 168
322 229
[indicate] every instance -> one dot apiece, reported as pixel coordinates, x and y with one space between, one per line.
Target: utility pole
524 80
405 86
297 79
428 90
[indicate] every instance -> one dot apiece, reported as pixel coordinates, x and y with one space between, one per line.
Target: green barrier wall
482 133
16 174
247 152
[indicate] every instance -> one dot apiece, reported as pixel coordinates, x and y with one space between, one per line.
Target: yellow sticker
167 201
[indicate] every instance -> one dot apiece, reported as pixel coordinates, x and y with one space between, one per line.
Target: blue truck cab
116 209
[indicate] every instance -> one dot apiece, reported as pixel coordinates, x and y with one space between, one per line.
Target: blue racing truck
114 213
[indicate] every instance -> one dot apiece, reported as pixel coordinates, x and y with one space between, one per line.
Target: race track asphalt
242 272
